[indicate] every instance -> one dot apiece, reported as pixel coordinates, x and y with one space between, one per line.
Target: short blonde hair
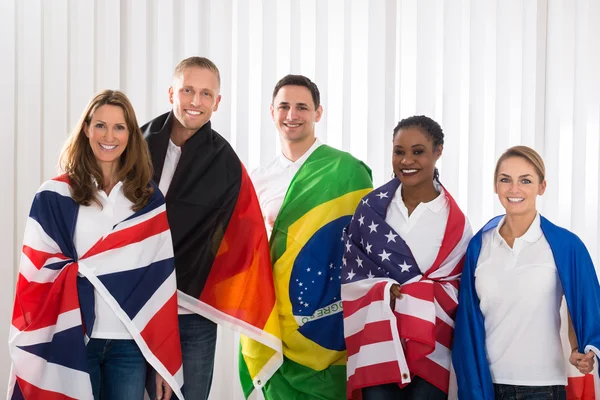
200 62
527 153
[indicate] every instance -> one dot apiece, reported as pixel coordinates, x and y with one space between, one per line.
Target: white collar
532 235
285 162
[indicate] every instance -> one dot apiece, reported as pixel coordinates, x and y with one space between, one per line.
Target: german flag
221 248
306 251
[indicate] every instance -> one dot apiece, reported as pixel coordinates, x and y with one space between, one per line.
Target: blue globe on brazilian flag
306 252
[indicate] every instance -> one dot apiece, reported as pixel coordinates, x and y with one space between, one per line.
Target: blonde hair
529 155
200 62
77 159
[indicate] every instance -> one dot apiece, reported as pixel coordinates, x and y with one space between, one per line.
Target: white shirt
93 222
171 161
169 167
423 231
271 181
520 295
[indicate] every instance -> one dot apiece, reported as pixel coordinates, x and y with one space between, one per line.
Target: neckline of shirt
285 162
532 235
434 205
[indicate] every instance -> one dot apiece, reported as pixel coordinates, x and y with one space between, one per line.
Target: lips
515 199
193 113
292 125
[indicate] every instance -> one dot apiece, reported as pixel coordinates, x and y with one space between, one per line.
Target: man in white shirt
308 194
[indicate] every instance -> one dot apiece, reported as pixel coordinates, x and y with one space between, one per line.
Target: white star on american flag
350 275
405 267
361 220
370 275
373 227
344 260
359 261
365 202
391 237
348 246
368 248
382 195
385 256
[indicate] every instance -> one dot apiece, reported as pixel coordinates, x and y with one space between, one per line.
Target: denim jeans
117 369
418 389
510 392
198 341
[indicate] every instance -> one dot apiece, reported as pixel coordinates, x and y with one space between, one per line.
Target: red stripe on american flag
374 294
432 372
163 338
420 290
39 258
31 392
447 303
374 332
36 299
454 231
373 375
133 234
443 333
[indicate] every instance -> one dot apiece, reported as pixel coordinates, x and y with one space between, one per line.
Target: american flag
131 267
390 346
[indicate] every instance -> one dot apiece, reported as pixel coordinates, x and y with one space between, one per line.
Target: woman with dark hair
403 260
518 268
96 293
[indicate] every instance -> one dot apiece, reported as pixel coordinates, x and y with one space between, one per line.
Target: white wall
493 73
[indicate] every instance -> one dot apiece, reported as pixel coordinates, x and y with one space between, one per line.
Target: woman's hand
583 362
163 390
394 294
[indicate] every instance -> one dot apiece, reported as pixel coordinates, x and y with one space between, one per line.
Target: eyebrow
298 104
413 146
116 123
521 176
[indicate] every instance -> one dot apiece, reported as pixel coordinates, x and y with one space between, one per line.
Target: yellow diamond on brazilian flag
307 254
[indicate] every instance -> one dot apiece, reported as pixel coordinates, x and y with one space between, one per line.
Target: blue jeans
417 389
117 369
198 340
510 392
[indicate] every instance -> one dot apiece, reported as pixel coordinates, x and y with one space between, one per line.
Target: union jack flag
390 346
131 267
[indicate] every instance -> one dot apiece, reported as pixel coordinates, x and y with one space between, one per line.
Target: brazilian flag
306 252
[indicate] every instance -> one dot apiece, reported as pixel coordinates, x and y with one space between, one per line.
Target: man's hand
163 390
583 362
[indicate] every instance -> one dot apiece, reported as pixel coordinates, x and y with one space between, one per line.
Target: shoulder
265 169
60 184
154 126
557 235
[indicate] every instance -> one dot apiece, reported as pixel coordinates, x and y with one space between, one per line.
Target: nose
291 114
406 160
196 99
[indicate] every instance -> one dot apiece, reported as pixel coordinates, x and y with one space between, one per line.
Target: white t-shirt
520 295
271 181
171 161
169 167
93 222
423 231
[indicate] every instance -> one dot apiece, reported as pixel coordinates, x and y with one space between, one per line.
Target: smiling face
195 96
294 113
518 185
108 134
414 156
